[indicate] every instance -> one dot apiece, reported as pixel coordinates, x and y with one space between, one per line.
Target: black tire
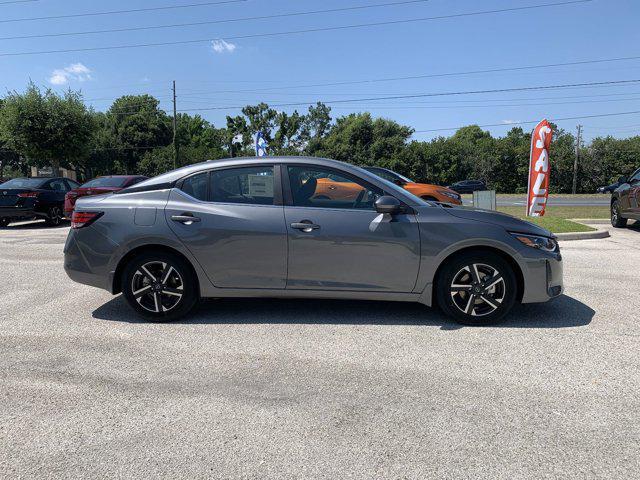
180 280
484 304
4 222
54 216
616 220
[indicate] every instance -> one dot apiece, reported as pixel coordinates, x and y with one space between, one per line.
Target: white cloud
75 71
220 46
510 122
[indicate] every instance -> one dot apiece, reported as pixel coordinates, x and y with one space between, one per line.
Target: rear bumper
87 256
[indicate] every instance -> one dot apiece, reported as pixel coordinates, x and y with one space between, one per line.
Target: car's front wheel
476 288
160 286
616 219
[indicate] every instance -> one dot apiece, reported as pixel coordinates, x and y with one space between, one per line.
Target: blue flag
261 145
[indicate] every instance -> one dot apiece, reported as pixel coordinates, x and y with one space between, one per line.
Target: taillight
29 194
82 219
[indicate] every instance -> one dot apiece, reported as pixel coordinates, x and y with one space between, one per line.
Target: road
554 200
317 389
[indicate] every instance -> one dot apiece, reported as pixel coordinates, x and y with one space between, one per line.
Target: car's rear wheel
616 219
4 222
476 288
54 216
160 286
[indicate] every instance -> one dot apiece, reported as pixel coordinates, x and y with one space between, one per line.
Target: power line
398 97
438 94
531 121
118 12
212 22
296 32
18 1
436 75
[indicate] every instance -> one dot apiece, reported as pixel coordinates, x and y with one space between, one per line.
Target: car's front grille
8 200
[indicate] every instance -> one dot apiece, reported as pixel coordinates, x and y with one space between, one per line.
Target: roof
170 177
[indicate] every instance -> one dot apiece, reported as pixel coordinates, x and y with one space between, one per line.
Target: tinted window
196 186
635 177
250 185
71 184
325 188
57 185
23 183
136 180
115 182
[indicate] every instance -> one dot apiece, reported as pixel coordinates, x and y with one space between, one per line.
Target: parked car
426 191
98 186
625 200
258 227
608 188
36 197
468 186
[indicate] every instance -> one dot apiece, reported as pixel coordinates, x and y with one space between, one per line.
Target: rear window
115 182
23 183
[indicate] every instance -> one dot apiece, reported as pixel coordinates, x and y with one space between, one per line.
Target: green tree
361 140
46 128
137 126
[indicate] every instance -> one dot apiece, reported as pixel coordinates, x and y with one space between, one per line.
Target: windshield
23 183
116 182
388 174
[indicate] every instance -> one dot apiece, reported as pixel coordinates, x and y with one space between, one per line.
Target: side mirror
388 204
622 180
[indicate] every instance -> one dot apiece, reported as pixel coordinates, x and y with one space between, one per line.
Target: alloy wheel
55 216
157 286
478 289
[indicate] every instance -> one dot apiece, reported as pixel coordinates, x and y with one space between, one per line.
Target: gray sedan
304 227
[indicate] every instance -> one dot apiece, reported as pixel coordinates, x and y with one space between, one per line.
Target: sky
229 64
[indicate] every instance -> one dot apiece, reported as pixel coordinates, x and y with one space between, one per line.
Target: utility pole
576 159
175 127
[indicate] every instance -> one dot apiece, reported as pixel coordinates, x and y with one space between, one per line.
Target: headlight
455 196
534 241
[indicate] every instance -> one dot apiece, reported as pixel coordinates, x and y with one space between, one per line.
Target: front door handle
305 225
185 219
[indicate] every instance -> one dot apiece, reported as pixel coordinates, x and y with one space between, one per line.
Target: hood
512 224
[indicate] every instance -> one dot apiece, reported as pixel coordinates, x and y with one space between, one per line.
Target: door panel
352 250
239 245
337 241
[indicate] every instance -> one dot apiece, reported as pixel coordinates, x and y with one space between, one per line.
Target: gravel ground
317 389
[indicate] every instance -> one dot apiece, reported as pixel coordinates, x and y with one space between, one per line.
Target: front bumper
543 279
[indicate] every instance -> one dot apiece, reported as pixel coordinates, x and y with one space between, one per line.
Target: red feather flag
539 169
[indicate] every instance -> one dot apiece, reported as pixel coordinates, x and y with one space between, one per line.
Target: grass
555 218
601 211
559 225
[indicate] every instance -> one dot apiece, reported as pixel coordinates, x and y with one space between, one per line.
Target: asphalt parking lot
318 389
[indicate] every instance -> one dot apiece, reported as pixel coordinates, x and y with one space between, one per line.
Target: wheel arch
117 277
517 270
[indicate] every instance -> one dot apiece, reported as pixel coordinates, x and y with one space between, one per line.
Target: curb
599 233
591 221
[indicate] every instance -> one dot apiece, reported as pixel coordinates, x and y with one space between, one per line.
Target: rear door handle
305 225
185 219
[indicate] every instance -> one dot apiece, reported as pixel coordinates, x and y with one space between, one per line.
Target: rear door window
245 185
